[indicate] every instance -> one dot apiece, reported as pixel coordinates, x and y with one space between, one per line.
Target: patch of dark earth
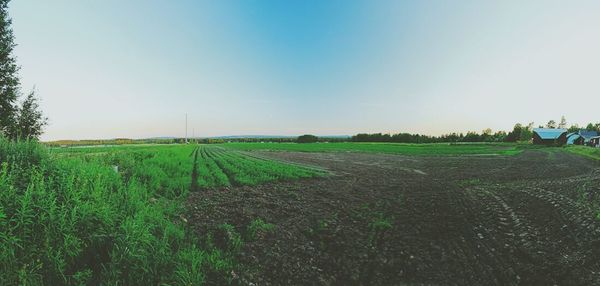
383 219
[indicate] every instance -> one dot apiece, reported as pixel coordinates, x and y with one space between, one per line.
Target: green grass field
390 148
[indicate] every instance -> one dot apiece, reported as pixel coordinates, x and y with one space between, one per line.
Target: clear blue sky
133 68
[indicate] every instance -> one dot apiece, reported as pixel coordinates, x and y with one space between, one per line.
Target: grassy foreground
391 148
110 216
75 221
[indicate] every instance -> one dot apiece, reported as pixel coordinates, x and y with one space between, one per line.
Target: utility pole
186 139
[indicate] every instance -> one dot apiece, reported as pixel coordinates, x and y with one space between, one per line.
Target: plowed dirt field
412 220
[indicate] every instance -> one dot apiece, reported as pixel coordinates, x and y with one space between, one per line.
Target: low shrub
257 227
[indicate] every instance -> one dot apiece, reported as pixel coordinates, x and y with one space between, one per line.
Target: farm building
581 137
595 142
549 136
587 135
574 139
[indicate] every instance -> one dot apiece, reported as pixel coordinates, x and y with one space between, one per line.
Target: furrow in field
194 184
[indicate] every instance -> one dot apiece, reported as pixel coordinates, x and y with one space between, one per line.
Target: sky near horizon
107 69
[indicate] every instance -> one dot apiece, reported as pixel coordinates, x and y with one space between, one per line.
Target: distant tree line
484 136
307 138
18 120
520 133
589 127
247 140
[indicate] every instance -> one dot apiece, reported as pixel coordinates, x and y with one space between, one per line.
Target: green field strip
437 149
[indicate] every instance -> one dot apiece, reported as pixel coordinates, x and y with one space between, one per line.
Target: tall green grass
73 220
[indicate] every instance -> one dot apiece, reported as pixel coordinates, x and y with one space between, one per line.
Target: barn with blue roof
581 137
587 135
550 136
574 139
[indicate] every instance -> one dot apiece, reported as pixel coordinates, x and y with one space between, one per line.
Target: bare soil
401 220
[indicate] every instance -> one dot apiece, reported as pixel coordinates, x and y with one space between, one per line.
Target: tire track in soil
552 237
513 235
194 184
569 234
460 233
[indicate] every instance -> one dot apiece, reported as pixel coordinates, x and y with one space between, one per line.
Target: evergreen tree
590 127
30 120
9 80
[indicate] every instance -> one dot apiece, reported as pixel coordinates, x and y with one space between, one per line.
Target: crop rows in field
168 168
219 167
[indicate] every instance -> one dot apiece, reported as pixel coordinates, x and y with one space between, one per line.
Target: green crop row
222 167
210 174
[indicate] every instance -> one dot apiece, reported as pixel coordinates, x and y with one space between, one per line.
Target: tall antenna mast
186 139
